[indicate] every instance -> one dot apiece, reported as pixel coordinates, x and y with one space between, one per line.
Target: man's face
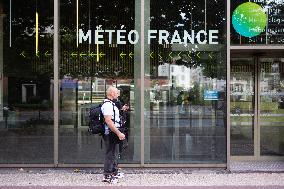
115 94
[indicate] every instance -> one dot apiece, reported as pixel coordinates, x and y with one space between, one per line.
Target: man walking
112 136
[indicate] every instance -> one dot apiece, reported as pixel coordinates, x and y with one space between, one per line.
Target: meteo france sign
122 36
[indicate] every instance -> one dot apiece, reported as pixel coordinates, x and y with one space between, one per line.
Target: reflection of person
6 115
123 111
180 101
186 101
112 132
157 92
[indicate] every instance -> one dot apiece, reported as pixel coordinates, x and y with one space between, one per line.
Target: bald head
112 93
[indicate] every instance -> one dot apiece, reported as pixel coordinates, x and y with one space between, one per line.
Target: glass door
257 108
242 104
271 107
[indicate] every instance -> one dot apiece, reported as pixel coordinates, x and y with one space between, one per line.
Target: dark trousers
111 154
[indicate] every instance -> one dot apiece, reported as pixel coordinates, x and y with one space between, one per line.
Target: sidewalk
217 178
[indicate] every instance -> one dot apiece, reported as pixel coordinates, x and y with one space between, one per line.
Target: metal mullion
96 165
142 30
171 165
252 158
256 111
271 158
168 165
257 47
56 79
137 165
26 165
228 84
257 127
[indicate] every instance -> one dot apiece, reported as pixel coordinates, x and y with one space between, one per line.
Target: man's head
112 93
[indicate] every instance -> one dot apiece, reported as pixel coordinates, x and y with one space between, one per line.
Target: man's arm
113 128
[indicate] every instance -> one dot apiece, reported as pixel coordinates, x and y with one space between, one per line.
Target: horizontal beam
258 47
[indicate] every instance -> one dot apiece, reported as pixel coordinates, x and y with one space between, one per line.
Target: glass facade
170 62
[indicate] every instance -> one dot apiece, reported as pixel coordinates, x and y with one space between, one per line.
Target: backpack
96 123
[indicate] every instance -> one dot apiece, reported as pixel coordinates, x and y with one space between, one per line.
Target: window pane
26 81
271 106
185 116
242 106
273 33
88 70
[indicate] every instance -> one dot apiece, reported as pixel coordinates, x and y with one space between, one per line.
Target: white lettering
150 36
119 37
186 37
163 35
198 37
85 37
110 35
201 37
176 38
98 37
211 37
136 37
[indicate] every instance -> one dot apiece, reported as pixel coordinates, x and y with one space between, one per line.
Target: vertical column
146 75
205 14
1 63
256 126
142 64
56 78
228 82
137 87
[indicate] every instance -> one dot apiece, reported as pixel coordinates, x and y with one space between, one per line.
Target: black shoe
119 175
110 179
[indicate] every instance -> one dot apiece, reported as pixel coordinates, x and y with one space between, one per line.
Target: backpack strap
113 104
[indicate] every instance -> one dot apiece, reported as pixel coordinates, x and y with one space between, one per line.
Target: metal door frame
256 127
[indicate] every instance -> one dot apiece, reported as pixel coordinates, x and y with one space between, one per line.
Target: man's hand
121 136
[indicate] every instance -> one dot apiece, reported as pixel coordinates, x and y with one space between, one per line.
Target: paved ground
257 166
89 178
143 187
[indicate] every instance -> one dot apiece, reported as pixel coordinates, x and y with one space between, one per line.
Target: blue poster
67 83
211 95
